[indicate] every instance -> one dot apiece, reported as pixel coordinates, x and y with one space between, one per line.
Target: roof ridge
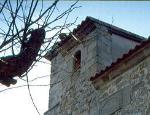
90 21
116 28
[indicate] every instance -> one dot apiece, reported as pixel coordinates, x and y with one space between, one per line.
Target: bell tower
74 61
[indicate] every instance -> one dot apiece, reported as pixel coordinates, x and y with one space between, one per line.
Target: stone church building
100 69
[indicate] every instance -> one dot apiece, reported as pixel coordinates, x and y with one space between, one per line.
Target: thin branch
21 86
31 96
3 6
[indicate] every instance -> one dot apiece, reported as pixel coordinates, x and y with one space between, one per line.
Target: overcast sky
132 16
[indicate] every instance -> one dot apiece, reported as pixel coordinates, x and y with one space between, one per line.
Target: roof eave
123 64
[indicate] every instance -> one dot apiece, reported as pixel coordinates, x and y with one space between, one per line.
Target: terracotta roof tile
87 26
120 60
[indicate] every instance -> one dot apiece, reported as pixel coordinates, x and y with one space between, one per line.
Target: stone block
111 104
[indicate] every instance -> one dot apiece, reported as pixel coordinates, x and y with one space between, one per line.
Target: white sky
132 16
17 101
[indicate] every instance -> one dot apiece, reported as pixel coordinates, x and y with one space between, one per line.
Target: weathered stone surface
73 94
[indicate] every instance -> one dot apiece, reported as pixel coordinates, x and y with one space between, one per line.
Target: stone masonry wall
110 47
72 93
128 94
69 86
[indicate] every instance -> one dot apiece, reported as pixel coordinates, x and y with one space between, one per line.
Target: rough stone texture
131 91
72 93
110 47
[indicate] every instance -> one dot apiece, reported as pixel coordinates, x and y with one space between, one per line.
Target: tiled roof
86 27
124 58
119 31
82 30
